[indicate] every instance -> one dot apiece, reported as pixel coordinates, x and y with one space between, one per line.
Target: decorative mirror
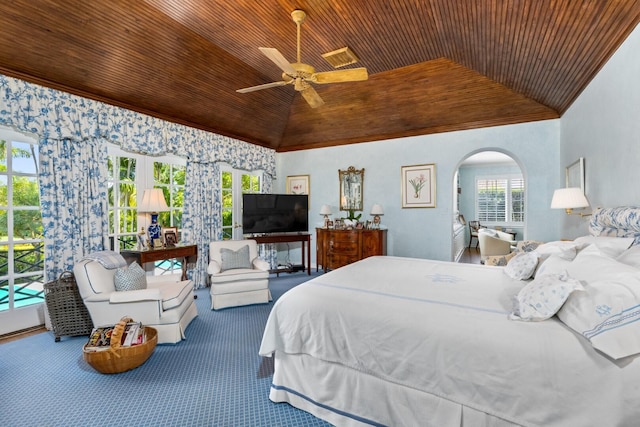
351 190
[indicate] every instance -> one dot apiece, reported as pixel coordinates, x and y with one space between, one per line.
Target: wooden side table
303 238
151 255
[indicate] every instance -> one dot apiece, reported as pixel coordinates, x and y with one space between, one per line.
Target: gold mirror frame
351 189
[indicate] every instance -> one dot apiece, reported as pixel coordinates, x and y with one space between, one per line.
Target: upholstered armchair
165 302
494 242
238 275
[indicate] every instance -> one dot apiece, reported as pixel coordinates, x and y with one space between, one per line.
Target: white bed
398 341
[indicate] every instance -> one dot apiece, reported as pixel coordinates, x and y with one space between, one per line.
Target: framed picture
298 184
418 186
170 236
574 174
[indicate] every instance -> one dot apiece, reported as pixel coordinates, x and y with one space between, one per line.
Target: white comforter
442 328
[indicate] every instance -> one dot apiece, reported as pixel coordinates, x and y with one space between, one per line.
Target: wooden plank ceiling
434 65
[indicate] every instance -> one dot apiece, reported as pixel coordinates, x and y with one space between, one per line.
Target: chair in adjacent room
494 243
238 275
474 227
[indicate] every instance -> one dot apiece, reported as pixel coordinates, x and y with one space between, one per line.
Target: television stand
286 238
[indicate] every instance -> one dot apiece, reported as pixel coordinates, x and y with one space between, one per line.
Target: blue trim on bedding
424 300
328 408
625 318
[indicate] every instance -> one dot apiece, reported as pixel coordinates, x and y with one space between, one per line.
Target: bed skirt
351 398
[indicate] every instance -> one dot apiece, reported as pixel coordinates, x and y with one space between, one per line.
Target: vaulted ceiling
434 65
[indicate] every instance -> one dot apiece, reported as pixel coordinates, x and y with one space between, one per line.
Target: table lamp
376 212
153 201
326 211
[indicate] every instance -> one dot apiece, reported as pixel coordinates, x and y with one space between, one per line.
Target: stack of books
100 338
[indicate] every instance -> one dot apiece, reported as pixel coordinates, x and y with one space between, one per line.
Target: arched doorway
489 186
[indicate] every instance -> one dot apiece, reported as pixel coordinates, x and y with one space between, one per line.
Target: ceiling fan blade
350 75
312 97
260 87
277 58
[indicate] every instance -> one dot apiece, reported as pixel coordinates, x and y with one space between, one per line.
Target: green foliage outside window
27 217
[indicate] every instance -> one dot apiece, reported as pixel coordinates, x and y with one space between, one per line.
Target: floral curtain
74 208
201 219
57 116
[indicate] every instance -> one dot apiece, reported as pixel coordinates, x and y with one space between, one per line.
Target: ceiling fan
302 75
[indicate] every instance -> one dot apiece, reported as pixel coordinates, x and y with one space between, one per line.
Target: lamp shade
153 201
376 209
569 198
325 210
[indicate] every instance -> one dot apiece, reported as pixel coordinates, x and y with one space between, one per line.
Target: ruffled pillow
543 297
522 266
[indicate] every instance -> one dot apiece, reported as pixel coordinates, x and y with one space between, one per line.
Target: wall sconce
569 199
326 211
153 201
376 211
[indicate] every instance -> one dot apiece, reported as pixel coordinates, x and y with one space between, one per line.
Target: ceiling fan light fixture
340 57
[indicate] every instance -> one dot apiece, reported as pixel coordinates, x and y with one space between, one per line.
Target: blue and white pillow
543 297
522 266
131 278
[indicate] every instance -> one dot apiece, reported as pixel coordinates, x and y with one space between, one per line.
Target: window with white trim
21 230
129 175
235 183
500 199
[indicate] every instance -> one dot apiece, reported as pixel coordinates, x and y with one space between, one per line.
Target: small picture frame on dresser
359 226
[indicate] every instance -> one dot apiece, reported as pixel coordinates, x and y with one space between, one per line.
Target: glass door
235 183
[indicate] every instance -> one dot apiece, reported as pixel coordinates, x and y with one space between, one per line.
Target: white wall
426 233
603 126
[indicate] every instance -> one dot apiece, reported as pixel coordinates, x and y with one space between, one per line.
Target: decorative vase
154 228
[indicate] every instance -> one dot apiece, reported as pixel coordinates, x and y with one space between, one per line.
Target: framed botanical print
298 184
418 186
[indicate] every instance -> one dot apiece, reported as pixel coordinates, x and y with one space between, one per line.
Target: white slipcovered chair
167 304
494 242
238 275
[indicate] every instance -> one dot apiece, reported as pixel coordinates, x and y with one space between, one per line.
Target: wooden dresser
336 248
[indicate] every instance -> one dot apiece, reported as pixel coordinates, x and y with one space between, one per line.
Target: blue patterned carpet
213 378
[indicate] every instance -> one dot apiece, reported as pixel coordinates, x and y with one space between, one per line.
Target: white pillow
631 256
563 249
592 264
612 246
607 314
522 266
543 297
555 264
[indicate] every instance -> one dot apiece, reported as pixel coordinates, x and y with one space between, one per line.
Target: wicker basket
119 359
67 311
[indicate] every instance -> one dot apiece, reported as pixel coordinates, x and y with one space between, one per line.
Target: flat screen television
275 213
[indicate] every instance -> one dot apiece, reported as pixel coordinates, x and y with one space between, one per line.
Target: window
21 231
129 175
500 199
235 183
